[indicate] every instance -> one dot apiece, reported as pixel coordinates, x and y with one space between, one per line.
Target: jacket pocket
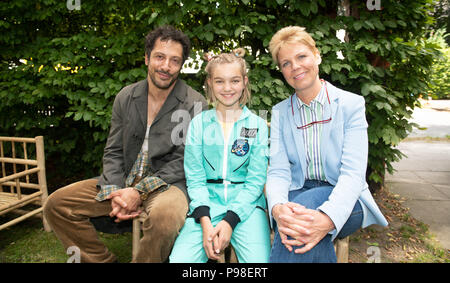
209 163
237 168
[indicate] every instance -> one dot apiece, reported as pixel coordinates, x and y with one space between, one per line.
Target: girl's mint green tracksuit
225 180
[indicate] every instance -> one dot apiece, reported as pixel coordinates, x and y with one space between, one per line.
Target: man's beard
163 86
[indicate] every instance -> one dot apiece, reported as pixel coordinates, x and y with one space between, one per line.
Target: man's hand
125 204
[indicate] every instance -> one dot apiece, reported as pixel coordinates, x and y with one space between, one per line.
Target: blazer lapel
329 111
140 100
296 133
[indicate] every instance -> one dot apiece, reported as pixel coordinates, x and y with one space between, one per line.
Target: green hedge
60 69
440 74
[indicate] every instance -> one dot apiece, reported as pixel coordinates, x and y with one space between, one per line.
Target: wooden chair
23 182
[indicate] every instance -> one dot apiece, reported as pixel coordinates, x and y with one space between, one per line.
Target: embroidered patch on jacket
249 132
240 147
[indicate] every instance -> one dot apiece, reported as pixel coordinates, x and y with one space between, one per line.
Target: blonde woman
226 157
316 187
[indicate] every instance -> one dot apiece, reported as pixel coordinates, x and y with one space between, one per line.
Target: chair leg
42 179
136 236
231 255
228 255
341 247
47 227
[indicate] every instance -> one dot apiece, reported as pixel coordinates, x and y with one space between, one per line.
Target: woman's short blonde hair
290 34
236 56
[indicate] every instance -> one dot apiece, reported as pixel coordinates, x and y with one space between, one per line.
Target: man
142 162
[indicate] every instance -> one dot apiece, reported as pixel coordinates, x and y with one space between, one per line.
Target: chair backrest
22 165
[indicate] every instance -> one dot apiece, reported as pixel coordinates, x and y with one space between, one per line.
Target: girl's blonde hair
236 56
290 34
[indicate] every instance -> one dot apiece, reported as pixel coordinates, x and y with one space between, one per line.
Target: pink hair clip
208 57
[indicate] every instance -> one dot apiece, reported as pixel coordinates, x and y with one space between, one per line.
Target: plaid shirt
145 184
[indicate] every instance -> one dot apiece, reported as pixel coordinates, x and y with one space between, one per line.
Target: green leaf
382 105
326 68
78 116
267 100
325 49
255 101
357 25
314 8
238 31
278 82
390 23
304 9
336 67
123 76
209 36
152 17
369 24
368 88
268 84
87 116
402 23
223 32
378 24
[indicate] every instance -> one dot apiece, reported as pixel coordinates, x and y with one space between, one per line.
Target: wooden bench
23 183
229 256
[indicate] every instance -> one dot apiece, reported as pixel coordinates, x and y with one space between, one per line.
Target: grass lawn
27 242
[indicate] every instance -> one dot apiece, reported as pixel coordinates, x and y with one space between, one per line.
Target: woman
225 164
316 186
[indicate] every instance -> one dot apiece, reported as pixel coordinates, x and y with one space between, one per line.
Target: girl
225 163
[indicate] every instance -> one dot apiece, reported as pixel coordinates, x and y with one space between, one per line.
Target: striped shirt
311 135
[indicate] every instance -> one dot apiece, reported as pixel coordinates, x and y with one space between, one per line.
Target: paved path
433 118
423 177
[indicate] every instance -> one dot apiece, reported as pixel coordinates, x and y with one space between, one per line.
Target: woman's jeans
312 195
